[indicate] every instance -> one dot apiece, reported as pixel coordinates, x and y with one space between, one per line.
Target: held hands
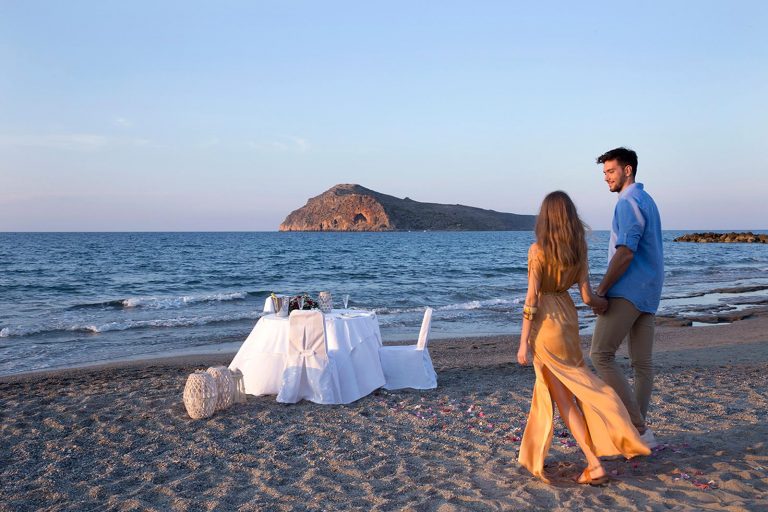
599 305
523 354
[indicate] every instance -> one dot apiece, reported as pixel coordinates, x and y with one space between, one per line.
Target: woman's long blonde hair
560 231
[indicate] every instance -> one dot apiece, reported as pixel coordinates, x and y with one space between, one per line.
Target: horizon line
707 230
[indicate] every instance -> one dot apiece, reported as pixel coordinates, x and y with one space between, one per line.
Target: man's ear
625 170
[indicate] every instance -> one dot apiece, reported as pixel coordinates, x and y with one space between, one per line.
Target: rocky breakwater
351 207
729 238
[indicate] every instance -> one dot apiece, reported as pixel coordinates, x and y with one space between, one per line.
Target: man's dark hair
622 155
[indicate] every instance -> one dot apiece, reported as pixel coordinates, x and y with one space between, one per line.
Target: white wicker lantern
225 386
200 395
325 302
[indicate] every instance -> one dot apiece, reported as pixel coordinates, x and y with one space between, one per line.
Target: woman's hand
523 356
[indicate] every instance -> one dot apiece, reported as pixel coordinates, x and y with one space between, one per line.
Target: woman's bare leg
574 420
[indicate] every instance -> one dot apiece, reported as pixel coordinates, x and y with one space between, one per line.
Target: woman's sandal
588 480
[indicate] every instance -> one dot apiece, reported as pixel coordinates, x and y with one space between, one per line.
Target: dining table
353 339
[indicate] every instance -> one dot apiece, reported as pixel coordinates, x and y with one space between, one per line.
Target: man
632 285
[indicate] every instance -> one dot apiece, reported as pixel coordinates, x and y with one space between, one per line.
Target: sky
226 116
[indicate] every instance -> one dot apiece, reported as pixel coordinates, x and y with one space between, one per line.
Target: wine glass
346 300
301 302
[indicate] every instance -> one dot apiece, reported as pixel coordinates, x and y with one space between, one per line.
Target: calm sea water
76 298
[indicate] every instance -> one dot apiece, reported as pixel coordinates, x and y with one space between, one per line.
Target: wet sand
117 437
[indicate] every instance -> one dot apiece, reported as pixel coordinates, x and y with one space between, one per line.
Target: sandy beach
118 437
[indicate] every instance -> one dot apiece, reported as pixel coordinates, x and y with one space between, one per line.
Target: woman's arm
531 302
596 302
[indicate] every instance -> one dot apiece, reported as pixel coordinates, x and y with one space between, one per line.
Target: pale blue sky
191 115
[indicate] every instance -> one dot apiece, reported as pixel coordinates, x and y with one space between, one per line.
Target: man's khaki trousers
622 319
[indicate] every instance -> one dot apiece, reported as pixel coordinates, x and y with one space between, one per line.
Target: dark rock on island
355 208
747 238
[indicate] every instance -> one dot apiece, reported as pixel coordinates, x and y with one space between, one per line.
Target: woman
597 418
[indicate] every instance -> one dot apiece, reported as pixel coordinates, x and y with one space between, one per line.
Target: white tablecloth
353 339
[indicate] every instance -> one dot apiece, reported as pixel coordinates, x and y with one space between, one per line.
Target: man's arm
616 268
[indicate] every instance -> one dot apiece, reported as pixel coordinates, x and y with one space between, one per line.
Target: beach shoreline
116 437
679 328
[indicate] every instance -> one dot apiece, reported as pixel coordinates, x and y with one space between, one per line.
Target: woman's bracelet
529 312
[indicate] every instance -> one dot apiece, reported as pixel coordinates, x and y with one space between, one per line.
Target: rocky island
350 207
727 238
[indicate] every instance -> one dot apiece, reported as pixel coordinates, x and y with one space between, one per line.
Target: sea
74 299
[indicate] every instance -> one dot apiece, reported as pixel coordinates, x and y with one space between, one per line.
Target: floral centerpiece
309 302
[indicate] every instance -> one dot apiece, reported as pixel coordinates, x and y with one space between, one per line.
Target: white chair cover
410 366
269 306
309 373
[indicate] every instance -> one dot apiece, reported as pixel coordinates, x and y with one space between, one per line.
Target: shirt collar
630 188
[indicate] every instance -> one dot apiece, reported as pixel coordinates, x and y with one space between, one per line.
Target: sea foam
124 325
176 302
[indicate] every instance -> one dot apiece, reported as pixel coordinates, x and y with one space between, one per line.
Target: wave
96 328
153 302
490 304
175 302
496 304
397 311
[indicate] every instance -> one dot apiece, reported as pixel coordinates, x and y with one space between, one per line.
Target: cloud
71 141
122 122
288 144
209 143
301 144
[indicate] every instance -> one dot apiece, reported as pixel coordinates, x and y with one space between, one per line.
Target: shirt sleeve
631 224
534 268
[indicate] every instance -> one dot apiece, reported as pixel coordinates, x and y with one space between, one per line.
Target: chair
410 366
309 373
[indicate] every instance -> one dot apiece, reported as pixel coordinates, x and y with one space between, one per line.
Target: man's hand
599 305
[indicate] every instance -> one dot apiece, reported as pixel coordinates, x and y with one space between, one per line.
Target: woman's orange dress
555 344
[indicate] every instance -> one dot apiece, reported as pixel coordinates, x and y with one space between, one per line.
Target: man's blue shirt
636 225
